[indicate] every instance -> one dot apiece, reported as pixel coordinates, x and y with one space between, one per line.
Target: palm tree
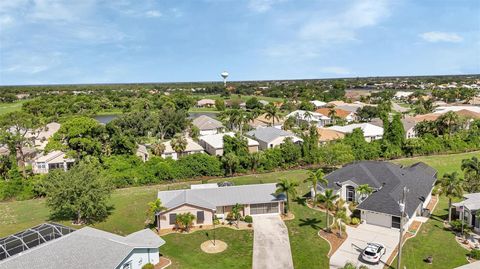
154 208
449 121
236 212
179 144
288 188
231 161
272 112
340 214
316 177
255 159
471 169
364 190
327 199
332 114
158 148
185 220
451 185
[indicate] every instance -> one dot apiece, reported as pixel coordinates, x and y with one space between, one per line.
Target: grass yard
184 249
10 107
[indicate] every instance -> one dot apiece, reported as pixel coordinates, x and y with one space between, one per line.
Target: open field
10 107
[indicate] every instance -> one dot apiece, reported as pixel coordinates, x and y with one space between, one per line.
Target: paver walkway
357 240
271 246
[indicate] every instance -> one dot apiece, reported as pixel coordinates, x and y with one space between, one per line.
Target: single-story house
370 131
204 203
213 144
53 160
206 103
269 137
54 246
326 135
142 153
388 180
470 206
192 148
309 116
346 115
402 95
262 121
208 125
409 124
318 104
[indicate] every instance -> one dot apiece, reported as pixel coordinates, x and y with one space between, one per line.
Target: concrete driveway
357 240
271 246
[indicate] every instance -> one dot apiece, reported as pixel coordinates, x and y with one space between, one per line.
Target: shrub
148 266
248 219
475 254
456 225
355 221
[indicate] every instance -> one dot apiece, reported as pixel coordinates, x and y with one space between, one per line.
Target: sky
128 41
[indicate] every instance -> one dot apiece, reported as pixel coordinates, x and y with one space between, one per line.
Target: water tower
224 75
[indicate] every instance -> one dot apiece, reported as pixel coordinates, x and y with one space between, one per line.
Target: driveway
271 246
357 240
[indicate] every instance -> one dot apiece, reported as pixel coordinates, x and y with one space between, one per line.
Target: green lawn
10 107
184 249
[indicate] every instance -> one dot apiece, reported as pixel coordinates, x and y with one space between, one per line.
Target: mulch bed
334 240
164 262
433 202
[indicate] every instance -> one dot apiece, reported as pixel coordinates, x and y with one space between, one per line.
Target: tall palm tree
179 144
158 148
471 169
451 185
288 188
236 212
316 177
327 199
272 112
364 190
449 121
332 114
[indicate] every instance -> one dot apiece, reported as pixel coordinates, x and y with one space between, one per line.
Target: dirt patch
288 216
209 247
333 239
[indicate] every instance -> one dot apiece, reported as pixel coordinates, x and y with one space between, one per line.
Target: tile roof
388 179
339 112
84 248
204 122
210 198
329 135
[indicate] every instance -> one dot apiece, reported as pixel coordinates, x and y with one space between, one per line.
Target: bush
148 266
475 254
456 225
248 219
355 221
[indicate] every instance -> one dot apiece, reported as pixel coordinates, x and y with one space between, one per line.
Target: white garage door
377 219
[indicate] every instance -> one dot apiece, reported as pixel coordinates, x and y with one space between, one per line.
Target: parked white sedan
373 252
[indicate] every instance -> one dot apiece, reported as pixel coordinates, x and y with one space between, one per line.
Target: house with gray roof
270 137
388 180
207 201
408 123
208 125
468 209
88 248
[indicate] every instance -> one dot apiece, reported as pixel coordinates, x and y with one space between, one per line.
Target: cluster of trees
454 94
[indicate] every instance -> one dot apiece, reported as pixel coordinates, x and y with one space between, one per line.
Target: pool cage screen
29 238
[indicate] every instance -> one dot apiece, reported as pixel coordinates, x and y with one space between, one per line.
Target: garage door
268 208
377 219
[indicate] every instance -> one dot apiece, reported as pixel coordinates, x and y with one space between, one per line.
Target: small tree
154 208
288 188
236 212
231 162
364 190
158 148
327 199
340 215
316 177
272 112
185 221
179 144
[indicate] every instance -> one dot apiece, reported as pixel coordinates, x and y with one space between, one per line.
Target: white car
373 252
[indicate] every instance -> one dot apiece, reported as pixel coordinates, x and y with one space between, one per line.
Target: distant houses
318 104
208 125
309 116
213 144
408 123
346 115
192 148
264 121
370 131
270 137
205 103
326 135
53 160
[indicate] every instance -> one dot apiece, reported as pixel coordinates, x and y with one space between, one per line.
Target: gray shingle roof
85 248
268 134
210 198
389 180
204 122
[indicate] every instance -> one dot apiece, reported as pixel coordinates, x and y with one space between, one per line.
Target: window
268 208
200 217
219 210
395 222
350 194
173 218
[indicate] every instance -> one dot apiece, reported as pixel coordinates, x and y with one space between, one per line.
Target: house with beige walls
213 144
211 200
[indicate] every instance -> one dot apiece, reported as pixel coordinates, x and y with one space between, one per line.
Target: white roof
303 115
472 201
445 109
203 186
318 103
191 146
216 140
53 157
42 135
206 102
401 94
367 128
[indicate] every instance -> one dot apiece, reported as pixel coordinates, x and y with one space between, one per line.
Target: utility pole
402 204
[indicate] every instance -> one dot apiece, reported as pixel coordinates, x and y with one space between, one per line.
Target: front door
350 194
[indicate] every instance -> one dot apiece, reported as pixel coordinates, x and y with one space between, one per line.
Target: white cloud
6 21
153 14
335 70
261 6
27 62
441 37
